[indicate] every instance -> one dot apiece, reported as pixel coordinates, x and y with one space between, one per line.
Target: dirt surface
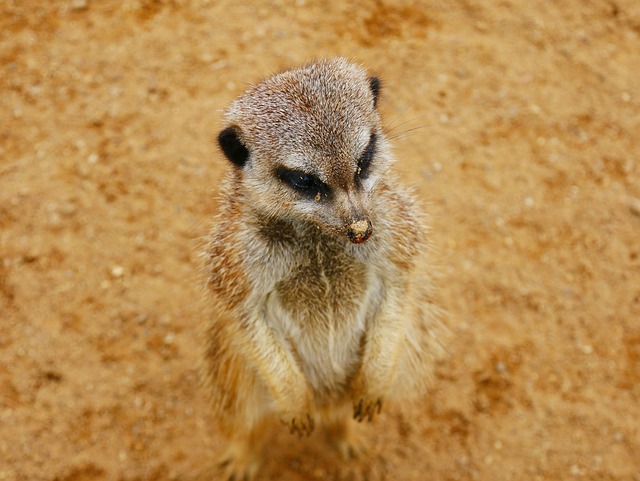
518 121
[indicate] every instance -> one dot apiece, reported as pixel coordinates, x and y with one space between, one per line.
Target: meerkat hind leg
346 436
244 455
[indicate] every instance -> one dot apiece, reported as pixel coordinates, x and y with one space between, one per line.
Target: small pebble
79 5
535 109
169 338
220 64
586 349
67 208
634 205
55 221
575 470
117 271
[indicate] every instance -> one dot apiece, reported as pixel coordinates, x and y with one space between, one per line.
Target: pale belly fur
324 337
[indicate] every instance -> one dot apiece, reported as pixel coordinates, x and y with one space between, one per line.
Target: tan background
518 120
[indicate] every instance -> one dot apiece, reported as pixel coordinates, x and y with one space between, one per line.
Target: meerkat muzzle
359 231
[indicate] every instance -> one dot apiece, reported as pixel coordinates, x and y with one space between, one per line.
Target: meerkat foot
239 463
347 438
245 453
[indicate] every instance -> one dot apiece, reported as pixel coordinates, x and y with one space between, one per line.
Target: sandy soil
519 122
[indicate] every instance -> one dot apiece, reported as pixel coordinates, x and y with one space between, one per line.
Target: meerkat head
309 146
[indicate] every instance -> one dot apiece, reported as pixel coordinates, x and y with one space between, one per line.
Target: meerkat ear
374 84
233 148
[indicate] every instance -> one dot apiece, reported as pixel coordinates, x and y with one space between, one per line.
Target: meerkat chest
318 295
320 309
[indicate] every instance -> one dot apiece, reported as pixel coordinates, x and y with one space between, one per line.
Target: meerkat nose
359 231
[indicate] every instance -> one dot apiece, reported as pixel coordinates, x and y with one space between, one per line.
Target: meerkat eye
307 184
364 162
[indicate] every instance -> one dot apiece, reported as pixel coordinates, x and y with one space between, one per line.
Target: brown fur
307 325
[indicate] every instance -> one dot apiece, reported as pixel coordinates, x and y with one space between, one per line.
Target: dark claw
302 427
357 414
312 424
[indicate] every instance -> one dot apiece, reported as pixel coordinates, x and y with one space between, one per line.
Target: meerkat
315 267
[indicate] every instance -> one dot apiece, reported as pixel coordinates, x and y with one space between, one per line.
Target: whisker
407 132
391 125
392 128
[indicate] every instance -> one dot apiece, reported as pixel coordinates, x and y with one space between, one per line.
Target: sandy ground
518 121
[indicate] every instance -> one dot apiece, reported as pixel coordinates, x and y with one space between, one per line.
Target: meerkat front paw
301 424
367 394
367 408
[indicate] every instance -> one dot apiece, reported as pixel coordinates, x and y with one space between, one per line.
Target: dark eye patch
364 162
307 184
